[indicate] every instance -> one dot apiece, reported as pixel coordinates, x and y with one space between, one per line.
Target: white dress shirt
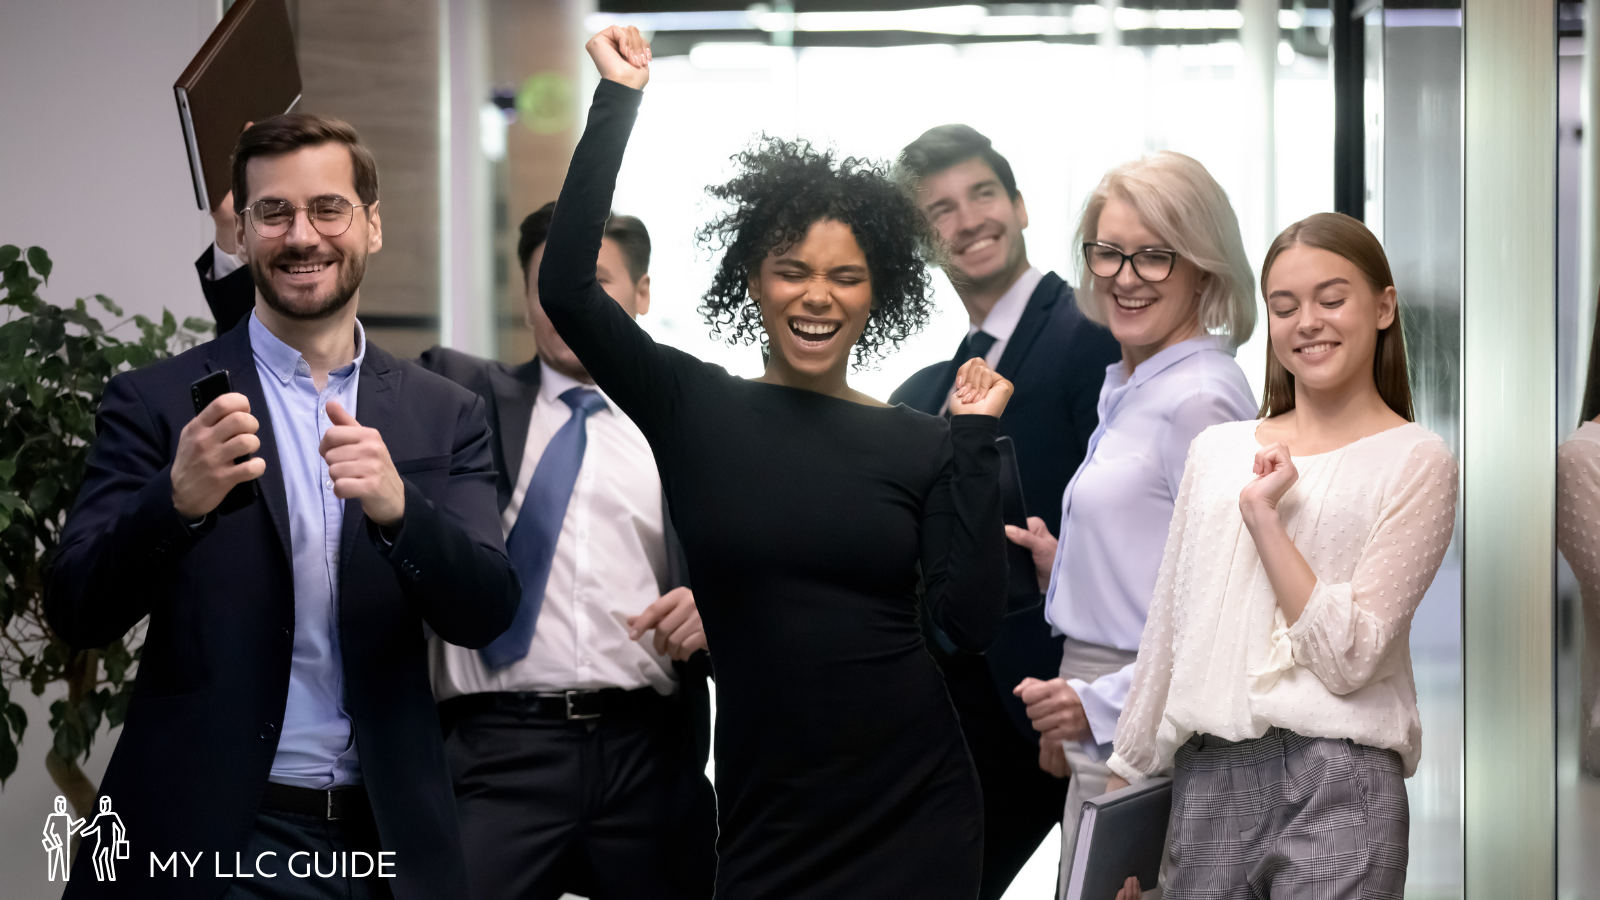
1115 510
1006 312
1373 520
224 263
1002 321
610 563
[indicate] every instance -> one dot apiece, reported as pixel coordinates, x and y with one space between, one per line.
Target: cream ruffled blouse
1372 519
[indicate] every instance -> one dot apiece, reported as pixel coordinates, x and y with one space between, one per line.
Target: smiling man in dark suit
578 741
1025 324
282 705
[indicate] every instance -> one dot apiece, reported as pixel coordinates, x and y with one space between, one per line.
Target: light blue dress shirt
1118 505
317 746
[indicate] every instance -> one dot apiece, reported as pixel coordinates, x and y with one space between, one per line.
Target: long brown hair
1340 234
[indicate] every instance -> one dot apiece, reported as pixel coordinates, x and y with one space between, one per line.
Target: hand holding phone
214 469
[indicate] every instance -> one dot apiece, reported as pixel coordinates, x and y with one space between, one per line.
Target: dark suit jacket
509 393
231 297
202 729
1057 359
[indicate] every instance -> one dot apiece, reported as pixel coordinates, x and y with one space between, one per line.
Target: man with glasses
1025 324
282 729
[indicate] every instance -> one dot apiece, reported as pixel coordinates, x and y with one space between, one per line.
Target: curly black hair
781 190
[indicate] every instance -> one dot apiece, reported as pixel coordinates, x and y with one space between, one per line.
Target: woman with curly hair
807 511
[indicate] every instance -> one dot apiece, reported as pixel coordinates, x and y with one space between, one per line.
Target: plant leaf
109 304
18 718
44 491
41 263
9 253
195 323
66 743
8 758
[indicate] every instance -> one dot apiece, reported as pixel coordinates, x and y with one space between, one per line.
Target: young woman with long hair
1274 674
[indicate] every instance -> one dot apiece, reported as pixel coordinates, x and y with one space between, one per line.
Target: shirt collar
1166 359
553 384
1007 311
283 361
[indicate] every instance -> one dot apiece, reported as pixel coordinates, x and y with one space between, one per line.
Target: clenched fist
979 390
358 462
621 54
676 622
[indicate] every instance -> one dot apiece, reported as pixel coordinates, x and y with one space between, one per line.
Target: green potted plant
54 364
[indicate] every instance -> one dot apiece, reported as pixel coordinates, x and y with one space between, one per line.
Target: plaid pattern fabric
1285 816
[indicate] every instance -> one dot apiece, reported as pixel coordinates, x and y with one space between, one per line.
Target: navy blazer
1057 359
202 729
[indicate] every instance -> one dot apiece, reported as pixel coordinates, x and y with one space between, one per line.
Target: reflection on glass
1578 718
1577 461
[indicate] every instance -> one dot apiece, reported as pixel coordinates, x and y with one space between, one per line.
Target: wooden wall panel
375 64
542 41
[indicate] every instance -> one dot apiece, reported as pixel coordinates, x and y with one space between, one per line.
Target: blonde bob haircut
1178 199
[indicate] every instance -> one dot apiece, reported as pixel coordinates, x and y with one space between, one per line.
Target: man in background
1025 324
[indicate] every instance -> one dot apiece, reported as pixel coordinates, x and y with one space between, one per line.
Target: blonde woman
1163 267
1274 676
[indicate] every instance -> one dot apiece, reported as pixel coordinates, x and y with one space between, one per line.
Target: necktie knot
584 401
980 343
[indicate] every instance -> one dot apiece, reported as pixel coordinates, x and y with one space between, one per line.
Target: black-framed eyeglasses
330 216
1152 264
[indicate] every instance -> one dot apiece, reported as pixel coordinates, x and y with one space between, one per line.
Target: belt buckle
332 815
576 716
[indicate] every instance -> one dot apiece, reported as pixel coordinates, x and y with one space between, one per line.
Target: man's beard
351 271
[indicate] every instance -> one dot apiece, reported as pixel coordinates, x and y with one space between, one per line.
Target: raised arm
636 372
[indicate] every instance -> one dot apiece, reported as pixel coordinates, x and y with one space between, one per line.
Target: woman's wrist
1259 517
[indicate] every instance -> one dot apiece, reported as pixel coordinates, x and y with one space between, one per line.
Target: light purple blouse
1118 506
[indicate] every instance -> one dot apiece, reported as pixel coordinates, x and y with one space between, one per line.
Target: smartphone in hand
202 392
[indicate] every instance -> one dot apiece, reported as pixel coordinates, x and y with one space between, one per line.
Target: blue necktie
532 541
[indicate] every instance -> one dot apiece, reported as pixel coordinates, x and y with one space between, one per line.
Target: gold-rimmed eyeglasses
330 216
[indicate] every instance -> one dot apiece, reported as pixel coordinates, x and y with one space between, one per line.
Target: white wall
93 169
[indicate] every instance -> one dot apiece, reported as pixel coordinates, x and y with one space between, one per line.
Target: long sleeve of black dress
809 522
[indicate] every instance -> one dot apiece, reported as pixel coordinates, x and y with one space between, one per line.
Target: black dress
840 767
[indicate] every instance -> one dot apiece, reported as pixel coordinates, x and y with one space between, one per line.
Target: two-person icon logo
110 843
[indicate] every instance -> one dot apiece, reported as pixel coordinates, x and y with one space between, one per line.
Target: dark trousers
1021 803
305 855
612 808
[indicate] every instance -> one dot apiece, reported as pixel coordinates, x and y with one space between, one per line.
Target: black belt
329 805
571 706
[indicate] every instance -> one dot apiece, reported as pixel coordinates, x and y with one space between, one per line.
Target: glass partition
1577 461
